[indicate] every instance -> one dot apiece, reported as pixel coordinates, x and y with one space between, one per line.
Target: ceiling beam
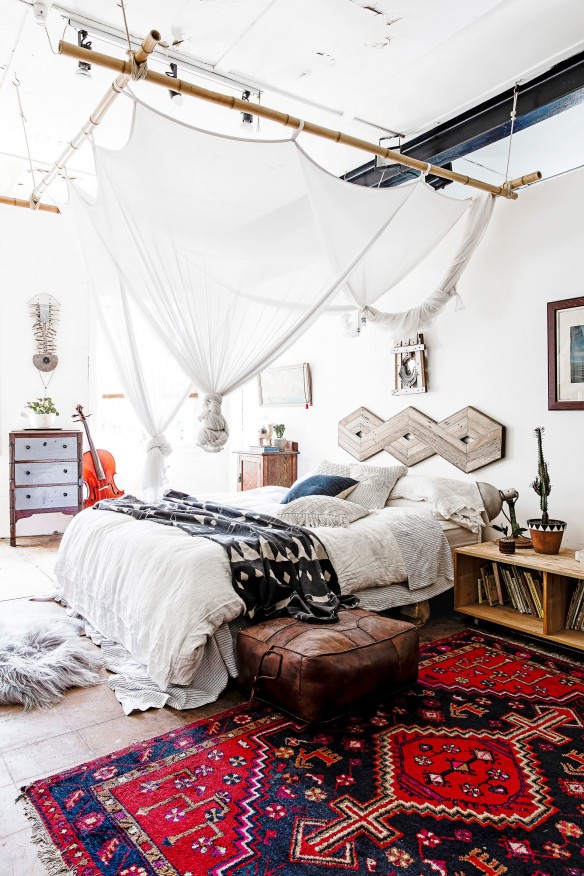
124 69
559 88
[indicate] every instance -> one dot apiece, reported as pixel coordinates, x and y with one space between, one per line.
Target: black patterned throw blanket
278 570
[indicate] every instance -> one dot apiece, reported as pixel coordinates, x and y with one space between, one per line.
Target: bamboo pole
95 118
234 103
18 202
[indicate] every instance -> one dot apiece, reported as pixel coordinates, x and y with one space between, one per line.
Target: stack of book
575 616
521 589
256 449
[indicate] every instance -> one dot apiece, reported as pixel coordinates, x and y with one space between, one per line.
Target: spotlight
40 10
246 118
175 96
83 67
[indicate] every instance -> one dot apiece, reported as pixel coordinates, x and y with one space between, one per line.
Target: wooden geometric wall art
410 366
468 439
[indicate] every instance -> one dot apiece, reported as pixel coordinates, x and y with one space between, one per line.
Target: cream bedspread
162 594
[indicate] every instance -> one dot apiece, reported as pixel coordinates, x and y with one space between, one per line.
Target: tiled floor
88 722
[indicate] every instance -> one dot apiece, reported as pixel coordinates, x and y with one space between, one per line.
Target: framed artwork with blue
566 355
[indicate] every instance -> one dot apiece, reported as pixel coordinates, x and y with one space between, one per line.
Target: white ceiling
366 67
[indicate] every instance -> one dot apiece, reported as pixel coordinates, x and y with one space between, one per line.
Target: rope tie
214 430
139 71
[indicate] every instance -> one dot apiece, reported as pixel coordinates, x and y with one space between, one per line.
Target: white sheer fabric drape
232 248
406 323
152 381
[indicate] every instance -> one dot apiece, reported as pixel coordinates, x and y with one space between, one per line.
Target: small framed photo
286 385
566 355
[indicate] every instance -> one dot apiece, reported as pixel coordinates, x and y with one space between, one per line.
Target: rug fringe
47 852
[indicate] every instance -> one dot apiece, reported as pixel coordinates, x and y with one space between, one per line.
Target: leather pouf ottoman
317 672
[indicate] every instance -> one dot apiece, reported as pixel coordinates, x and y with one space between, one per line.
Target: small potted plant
506 542
546 533
279 441
510 498
42 413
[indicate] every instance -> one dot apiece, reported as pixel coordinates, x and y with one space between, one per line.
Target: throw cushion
375 484
320 485
333 468
453 499
321 511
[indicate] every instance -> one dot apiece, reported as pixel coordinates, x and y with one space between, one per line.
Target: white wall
492 355
37 256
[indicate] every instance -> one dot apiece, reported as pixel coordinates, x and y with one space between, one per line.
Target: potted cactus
546 533
279 441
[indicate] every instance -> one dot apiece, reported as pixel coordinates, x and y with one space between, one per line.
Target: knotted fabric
406 323
154 472
214 432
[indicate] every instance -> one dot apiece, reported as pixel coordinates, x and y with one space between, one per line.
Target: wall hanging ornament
410 366
468 439
44 310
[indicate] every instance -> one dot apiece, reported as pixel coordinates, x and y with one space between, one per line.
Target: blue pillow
320 485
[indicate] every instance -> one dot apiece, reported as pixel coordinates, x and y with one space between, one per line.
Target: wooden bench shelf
560 574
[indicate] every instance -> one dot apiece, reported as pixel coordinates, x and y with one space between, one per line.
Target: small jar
507 545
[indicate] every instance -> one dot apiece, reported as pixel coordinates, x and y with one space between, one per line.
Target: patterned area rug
478 769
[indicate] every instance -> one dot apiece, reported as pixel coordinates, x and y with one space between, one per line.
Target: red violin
99 468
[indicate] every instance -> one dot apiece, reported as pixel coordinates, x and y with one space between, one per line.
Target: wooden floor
88 722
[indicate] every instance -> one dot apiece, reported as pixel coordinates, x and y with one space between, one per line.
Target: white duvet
162 593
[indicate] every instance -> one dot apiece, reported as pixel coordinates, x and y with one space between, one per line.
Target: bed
162 606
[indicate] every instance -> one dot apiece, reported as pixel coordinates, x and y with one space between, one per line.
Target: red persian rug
478 770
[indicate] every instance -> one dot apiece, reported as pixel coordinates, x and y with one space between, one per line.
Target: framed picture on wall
566 355
287 385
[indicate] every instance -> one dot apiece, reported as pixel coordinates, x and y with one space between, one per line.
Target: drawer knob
64 447
27 472
28 446
44 443
64 494
28 495
65 471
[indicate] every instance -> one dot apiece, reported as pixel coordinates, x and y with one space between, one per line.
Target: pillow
375 484
453 499
320 485
424 508
333 468
321 511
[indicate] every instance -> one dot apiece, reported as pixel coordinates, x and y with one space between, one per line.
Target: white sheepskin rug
40 660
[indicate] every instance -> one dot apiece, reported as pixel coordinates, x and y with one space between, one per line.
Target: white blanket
162 594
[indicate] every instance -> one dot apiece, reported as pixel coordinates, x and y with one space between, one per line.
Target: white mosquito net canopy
230 249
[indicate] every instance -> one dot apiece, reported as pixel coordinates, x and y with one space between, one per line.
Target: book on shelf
521 589
575 615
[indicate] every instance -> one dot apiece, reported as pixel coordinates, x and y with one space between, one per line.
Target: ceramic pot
507 545
546 537
41 421
280 443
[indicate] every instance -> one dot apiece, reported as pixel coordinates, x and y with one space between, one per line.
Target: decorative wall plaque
468 439
410 366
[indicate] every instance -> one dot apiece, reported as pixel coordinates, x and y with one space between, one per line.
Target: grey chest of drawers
45 474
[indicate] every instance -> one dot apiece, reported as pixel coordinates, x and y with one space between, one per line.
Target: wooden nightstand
45 474
266 469
560 574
